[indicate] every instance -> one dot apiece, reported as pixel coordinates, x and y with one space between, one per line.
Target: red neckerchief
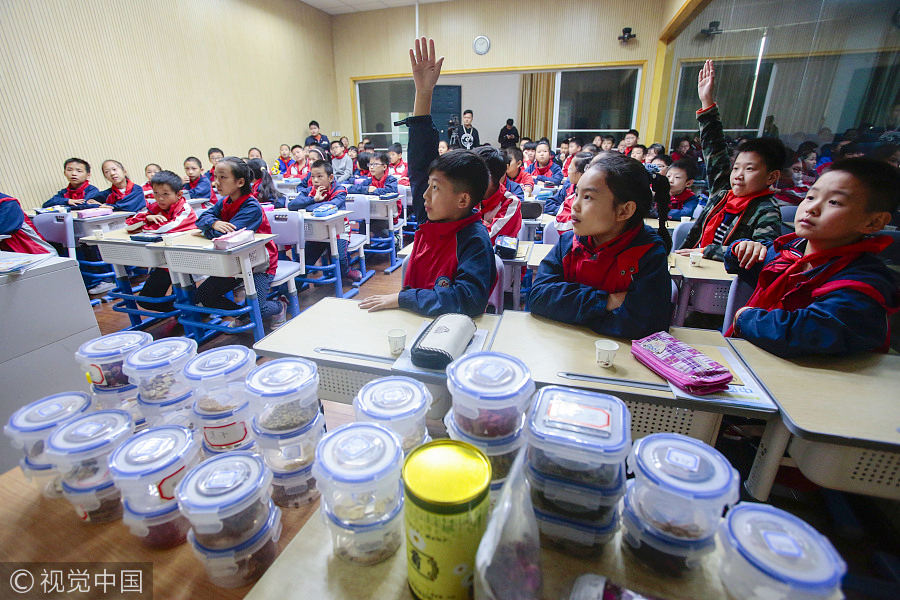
783 285
331 193
564 214
677 202
365 173
254 189
610 267
527 163
379 183
339 157
77 193
543 171
735 205
115 194
285 163
193 182
429 244
493 201
567 162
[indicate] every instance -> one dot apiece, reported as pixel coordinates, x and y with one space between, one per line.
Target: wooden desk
654 223
709 277
843 415
90 225
538 253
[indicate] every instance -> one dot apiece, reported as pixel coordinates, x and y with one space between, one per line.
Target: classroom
450 299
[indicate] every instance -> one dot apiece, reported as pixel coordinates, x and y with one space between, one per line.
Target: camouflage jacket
762 217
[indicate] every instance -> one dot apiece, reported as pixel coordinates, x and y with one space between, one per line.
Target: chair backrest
56 227
698 210
681 233
892 252
496 296
788 213
287 225
738 294
359 207
551 233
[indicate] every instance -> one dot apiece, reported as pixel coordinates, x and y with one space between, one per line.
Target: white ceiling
339 7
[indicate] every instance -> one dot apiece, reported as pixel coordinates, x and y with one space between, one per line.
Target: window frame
634 108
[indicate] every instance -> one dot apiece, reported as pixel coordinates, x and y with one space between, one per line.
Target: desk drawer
316 231
134 255
848 468
210 263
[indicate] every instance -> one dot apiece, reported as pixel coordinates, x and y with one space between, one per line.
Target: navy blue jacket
556 200
648 303
201 190
133 202
323 142
422 150
249 216
515 188
556 174
841 321
337 196
390 187
59 200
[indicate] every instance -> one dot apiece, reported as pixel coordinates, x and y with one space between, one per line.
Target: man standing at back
509 135
467 135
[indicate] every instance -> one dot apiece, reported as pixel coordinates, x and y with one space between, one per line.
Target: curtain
536 104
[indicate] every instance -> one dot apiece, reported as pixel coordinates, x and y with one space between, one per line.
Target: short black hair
466 171
167 178
880 179
659 148
544 142
509 122
687 165
665 158
577 141
851 148
530 145
313 122
641 146
362 160
771 150
564 141
252 148
338 142
79 161
514 154
524 138
159 168
294 147
590 148
395 147
213 150
604 138
381 157
468 111
496 163
323 164
634 131
193 159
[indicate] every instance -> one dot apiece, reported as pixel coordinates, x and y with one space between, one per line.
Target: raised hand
705 84
426 68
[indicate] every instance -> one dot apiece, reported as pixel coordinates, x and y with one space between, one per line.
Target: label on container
685 460
166 487
225 435
572 416
782 544
96 374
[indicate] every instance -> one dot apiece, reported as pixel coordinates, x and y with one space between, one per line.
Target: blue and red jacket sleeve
208 218
11 217
133 202
470 289
515 188
647 307
339 199
362 188
685 211
201 190
90 192
749 276
422 150
556 174
249 216
554 202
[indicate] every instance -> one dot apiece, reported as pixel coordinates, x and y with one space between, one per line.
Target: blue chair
681 233
788 214
738 294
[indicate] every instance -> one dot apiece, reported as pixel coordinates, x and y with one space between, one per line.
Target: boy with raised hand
741 203
822 289
451 268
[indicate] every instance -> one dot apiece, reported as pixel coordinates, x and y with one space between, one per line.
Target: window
596 102
380 104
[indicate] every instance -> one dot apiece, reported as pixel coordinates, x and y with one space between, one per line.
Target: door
446 104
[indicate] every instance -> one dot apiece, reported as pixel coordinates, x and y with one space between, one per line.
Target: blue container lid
283 377
163 403
359 453
267 434
270 524
490 446
105 391
219 362
393 398
86 490
614 490
783 547
491 377
47 413
33 466
685 466
610 524
363 527
224 485
657 538
304 472
91 434
152 451
160 353
168 508
114 345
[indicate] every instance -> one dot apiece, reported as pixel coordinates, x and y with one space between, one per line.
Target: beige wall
523 35
154 81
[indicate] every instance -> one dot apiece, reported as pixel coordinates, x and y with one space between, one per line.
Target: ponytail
267 192
661 199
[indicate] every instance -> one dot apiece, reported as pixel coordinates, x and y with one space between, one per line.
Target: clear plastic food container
294 489
770 553
103 358
147 467
357 471
211 372
158 368
665 553
80 448
293 450
681 484
243 563
30 426
366 544
172 411
500 452
162 528
99 503
284 393
248 446
44 477
122 398
398 403
226 499
576 537
489 392
224 430
578 435
573 500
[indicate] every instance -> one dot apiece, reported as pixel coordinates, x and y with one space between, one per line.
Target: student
653 150
515 171
263 187
622 147
822 289
529 149
378 181
362 165
543 168
638 151
341 163
122 194
561 202
284 158
254 152
196 185
315 138
398 168
353 153
682 149
793 184
631 139
662 162
501 210
238 209
683 201
79 193
149 171
563 153
452 267
741 204
576 145
214 155
443 148
611 272
23 237
299 166
607 142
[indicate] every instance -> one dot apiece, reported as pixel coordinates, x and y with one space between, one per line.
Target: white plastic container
172 411
44 477
681 484
80 448
770 553
284 394
578 435
575 501
489 393
294 489
211 372
576 537
158 368
248 446
100 503
226 499
122 398
30 426
293 450
357 471
244 563
147 467
500 452
162 528
398 403
103 358
366 544
224 430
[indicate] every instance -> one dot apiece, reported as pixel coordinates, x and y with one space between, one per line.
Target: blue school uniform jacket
554 176
199 188
825 311
551 207
389 187
132 201
422 150
515 188
23 237
60 198
566 286
337 195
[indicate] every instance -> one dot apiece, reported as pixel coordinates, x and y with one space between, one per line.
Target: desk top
116 236
113 216
708 270
308 216
336 332
195 241
848 400
654 223
522 253
538 253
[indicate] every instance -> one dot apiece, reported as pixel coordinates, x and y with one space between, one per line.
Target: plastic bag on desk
596 587
508 561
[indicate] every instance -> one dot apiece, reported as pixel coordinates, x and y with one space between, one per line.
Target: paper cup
696 257
397 340
605 351
686 219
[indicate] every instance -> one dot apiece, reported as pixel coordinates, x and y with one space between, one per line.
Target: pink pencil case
233 239
681 365
93 212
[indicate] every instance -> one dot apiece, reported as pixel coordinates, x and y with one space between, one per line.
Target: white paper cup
686 219
696 257
605 351
397 340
